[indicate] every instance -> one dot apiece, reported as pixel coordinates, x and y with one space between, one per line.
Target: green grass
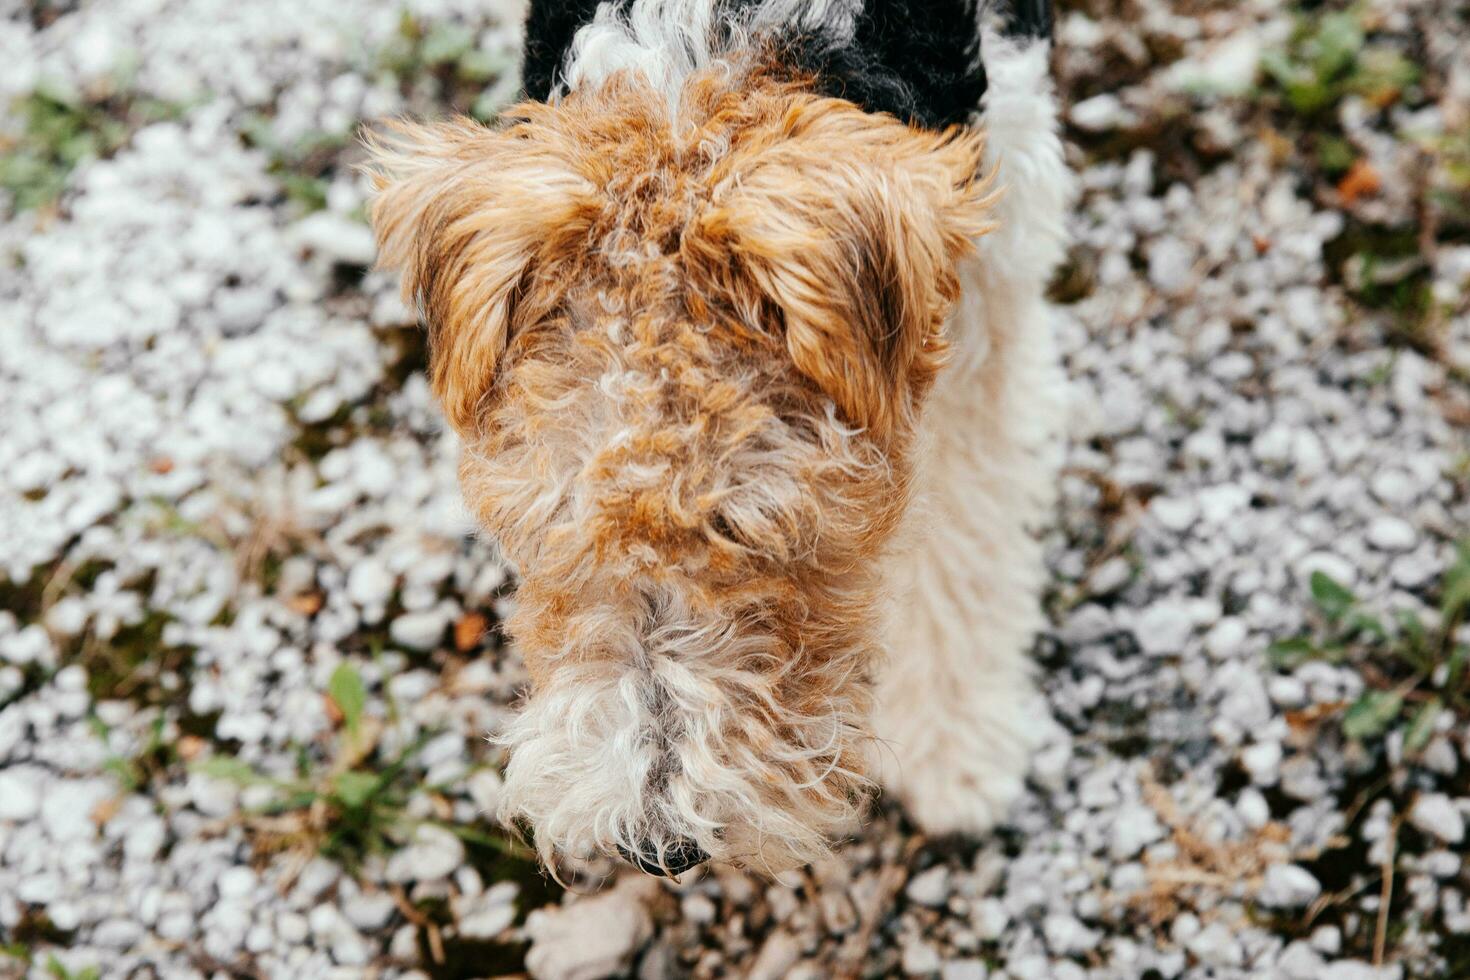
437 63
1448 183
304 166
351 802
33 932
132 664
14 955
469 79
1383 257
357 804
1415 673
55 968
59 132
135 773
1329 57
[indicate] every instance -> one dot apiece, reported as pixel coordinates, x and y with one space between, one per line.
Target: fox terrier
741 321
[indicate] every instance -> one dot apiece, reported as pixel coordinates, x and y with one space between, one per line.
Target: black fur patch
919 60
550 27
1030 18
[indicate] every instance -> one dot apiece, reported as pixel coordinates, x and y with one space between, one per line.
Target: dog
741 320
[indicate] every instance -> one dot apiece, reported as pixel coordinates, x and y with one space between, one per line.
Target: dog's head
686 353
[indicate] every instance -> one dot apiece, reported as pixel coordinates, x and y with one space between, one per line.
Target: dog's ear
850 225
482 224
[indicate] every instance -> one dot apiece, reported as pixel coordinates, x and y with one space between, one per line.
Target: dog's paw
950 796
962 775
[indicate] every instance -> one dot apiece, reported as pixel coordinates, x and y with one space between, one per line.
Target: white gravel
222 478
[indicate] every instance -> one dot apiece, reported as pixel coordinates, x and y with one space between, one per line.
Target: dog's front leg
957 713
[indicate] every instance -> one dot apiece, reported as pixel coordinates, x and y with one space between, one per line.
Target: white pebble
370 584
1253 808
418 630
1288 886
930 887
1164 628
598 936
1171 265
1226 638
1133 828
1436 814
1392 534
433 853
1263 762
964 970
20 799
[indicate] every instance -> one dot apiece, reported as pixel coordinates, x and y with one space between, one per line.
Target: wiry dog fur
768 498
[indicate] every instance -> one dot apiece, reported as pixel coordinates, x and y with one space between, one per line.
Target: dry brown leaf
307 603
1307 719
469 631
106 810
189 747
334 713
1361 180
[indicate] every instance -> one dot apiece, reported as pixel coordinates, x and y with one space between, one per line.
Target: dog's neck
918 60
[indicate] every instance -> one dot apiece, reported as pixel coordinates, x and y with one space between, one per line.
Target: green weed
303 166
60 972
471 79
1329 57
136 772
59 133
1415 672
357 806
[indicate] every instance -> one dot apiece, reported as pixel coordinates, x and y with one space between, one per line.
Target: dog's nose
678 858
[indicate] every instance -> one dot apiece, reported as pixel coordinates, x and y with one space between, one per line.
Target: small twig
1178 874
1385 894
215 966
1368 795
1324 902
296 863
58 583
1425 212
890 883
413 915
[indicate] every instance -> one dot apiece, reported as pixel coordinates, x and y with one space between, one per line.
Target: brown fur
687 357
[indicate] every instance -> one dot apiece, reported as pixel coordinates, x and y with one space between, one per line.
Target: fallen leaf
307 603
161 465
1361 180
1279 147
190 747
469 631
1310 718
334 713
106 810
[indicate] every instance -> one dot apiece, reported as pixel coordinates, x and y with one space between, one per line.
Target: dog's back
741 319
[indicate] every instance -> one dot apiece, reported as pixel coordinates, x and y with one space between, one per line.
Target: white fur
636 754
957 711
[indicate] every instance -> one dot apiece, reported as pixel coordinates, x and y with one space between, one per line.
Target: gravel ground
248 646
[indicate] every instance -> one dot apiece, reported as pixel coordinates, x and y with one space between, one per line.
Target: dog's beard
692 743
